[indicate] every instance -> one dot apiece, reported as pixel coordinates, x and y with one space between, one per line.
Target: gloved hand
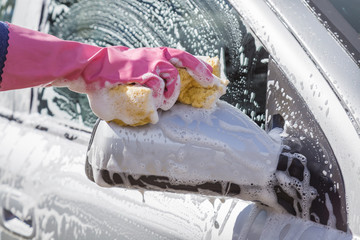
151 67
35 59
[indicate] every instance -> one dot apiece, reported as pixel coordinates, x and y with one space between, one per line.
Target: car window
7 10
342 19
350 10
211 28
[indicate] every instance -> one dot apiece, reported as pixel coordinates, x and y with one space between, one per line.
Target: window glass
6 10
350 10
342 19
210 28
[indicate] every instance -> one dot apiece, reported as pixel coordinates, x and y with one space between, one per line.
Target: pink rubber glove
38 59
151 67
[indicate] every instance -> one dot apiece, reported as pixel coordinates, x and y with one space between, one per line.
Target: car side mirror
213 152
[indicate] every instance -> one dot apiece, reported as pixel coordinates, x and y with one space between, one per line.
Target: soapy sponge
136 103
135 99
192 93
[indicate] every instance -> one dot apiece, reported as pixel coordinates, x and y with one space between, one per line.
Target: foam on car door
286 109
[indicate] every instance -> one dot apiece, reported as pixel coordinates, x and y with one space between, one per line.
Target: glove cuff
37 59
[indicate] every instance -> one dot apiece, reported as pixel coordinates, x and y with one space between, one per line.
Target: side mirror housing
213 152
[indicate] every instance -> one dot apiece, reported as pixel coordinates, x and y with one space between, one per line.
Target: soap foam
77 85
158 87
169 102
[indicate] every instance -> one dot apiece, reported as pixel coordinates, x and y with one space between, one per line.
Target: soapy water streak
266 195
300 192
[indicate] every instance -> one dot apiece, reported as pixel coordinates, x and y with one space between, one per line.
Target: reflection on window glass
6 10
350 10
206 27
342 19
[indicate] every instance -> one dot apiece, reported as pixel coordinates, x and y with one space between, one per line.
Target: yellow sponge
135 103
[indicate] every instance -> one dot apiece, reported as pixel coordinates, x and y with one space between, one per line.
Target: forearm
33 59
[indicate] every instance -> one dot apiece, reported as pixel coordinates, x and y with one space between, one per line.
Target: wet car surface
284 72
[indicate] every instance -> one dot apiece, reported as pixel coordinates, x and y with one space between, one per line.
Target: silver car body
44 193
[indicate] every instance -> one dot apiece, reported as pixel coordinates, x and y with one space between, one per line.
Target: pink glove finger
199 70
157 85
169 74
209 67
172 88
